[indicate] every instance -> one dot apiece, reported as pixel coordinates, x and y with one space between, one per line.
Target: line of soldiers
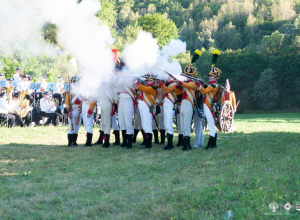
153 105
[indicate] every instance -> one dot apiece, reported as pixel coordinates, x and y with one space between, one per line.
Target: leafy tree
161 28
265 91
271 44
108 12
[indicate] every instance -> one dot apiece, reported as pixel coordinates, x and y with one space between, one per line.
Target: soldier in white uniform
107 111
88 117
137 124
127 104
74 113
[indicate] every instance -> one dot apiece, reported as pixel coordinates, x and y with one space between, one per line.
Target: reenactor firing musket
195 79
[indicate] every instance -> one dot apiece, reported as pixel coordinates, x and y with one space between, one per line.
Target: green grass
41 178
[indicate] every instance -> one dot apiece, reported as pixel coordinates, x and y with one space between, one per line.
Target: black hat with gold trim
190 70
150 76
214 71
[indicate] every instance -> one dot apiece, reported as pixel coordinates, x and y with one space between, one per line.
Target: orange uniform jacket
148 91
171 92
67 101
208 93
191 88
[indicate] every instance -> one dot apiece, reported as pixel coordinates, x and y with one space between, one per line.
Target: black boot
155 132
100 140
129 141
162 136
180 141
189 143
136 131
75 140
70 140
214 141
89 140
186 143
144 137
170 142
209 144
106 141
117 138
124 135
148 141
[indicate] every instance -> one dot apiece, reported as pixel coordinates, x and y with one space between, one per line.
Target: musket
168 73
195 79
70 99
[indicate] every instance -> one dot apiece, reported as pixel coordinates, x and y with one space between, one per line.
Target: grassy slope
41 178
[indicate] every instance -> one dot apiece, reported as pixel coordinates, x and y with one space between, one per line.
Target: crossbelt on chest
190 94
74 98
133 97
128 90
147 100
171 96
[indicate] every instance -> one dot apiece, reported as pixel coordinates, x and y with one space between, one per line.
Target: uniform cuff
90 112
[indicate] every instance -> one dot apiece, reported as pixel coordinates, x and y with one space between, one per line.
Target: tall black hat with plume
189 69
214 71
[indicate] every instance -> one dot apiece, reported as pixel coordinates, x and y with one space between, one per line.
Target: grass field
41 178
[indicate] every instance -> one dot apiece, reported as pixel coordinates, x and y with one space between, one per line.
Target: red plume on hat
114 55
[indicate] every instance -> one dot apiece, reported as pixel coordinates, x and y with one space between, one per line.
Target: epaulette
213 85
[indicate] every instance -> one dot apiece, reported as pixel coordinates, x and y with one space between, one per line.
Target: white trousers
106 117
137 120
146 117
125 113
114 122
178 120
169 115
75 113
210 120
199 138
87 122
160 119
186 115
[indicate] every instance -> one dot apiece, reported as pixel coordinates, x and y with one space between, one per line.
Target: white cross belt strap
129 92
147 100
191 95
209 96
74 98
172 95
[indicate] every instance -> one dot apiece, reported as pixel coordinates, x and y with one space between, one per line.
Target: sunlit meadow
41 178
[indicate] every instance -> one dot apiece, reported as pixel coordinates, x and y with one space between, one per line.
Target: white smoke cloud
141 54
80 35
20 30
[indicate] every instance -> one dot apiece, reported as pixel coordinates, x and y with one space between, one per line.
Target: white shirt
17 78
47 106
4 107
44 85
14 105
57 89
23 86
